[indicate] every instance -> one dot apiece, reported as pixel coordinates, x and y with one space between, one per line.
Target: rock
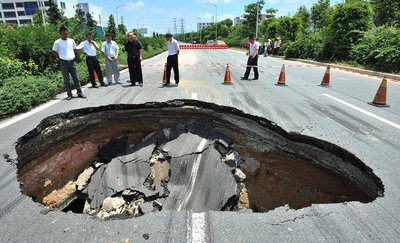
84 178
57 197
222 147
147 207
239 175
232 159
113 204
113 148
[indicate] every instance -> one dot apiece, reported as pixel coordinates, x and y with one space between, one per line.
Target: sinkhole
120 161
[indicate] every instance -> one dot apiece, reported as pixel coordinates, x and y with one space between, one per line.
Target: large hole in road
119 161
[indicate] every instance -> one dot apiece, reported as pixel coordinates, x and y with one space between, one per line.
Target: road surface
339 114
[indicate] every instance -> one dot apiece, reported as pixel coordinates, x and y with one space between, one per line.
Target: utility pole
183 29
43 12
175 28
216 21
258 9
199 28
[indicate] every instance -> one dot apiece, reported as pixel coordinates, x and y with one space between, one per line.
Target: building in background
201 26
238 21
20 12
94 10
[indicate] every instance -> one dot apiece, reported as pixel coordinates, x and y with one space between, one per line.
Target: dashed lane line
193 96
395 125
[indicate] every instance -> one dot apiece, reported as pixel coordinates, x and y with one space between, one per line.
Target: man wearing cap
110 50
172 59
64 49
89 47
253 59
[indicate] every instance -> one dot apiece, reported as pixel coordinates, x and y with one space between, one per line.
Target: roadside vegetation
355 32
29 75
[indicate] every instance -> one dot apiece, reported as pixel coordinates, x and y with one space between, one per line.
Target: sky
160 15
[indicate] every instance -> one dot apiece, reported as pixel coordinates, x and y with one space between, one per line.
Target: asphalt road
339 114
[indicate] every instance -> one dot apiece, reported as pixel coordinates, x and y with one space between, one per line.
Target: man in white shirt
89 47
64 49
172 59
252 62
110 50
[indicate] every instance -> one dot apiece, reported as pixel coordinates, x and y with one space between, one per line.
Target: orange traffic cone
164 79
282 77
96 78
326 79
227 79
380 97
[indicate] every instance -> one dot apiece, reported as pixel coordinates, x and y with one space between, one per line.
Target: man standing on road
133 52
253 59
110 50
89 47
64 49
172 59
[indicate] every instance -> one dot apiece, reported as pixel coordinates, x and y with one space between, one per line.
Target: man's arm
116 51
141 54
55 54
95 45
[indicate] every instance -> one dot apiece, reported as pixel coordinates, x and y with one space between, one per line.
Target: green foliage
22 93
53 12
321 14
79 14
387 12
122 29
379 49
111 26
307 46
251 14
304 15
349 21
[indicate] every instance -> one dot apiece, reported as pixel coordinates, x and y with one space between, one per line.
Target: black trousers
135 70
93 65
172 62
252 62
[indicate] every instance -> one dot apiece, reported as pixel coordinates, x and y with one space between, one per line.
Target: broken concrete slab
184 144
199 182
239 175
84 178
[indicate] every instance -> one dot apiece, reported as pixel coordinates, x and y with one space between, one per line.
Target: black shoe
81 96
141 84
176 85
69 97
255 79
95 86
243 78
133 84
165 84
104 85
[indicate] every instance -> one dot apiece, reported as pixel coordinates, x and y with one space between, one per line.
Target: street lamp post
116 13
216 21
258 7
200 28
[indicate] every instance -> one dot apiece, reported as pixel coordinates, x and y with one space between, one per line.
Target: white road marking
30 113
194 171
194 96
198 228
364 111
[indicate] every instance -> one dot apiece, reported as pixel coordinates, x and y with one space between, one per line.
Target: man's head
89 36
168 36
63 32
251 39
108 37
131 36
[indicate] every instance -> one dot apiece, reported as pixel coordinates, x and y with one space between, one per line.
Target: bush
309 46
9 68
22 93
379 49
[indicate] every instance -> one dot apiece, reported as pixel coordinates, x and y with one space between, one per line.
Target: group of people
65 49
272 49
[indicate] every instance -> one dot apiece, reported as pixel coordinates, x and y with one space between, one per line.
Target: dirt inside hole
182 155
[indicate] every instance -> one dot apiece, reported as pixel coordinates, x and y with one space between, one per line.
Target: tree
91 23
387 12
111 26
251 13
349 22
320 14
122 29
79 14
54 13
37 18
271 13
304 15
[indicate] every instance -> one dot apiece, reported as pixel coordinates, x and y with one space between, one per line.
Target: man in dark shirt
133 52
